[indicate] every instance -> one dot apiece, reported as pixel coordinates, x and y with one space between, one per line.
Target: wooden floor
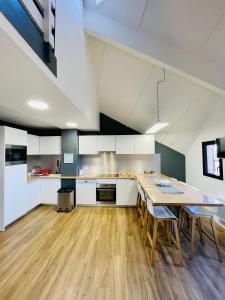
97 253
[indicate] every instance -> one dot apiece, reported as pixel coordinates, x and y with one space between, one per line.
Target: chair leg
145 224
154 239
216 239
192 242
200 230
177 236
138 204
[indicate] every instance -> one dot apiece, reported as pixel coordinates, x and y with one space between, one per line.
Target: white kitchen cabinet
15 136
33 193
15 193
49 188
88 144
126 192
33 144
144 144
125 144
50 145
106 143
86 192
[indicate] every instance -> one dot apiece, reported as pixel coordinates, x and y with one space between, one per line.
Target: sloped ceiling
127 92
196 25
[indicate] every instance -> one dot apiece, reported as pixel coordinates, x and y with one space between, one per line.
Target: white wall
214 127
73 59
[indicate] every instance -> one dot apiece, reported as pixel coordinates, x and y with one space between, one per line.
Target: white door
126 192
125 144
144 144
86 192
15 193
33 144
49 188
106 143
88 144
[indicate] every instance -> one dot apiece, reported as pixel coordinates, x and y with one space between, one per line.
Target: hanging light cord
158 82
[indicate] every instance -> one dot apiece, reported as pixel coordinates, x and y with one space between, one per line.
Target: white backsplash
109 163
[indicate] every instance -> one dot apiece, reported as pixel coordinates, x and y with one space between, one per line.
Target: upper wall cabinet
88 144
125 144
50 145
33 144
144 144
15 136
106 143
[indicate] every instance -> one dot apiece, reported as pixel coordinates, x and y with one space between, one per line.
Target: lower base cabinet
34 193
126 192
49 188
86 192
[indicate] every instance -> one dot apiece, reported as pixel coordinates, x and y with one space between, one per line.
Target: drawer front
106 181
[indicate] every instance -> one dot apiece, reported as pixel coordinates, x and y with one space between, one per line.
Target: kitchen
112 148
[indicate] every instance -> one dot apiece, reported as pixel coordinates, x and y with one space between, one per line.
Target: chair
160 215
173 178
195 213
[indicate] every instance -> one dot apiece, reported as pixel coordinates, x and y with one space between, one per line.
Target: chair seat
161 212
200 211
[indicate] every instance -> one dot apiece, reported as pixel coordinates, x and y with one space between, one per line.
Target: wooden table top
189 197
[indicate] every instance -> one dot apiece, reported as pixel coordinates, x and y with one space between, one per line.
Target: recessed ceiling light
39 105
71 124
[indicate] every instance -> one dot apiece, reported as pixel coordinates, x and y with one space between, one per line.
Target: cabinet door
144 144
50 145
86 192
15 193
126 192
34 193
106 143
125 144
15 136
49 188
33 144
88 144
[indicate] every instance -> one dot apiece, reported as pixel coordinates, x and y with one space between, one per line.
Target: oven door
106 193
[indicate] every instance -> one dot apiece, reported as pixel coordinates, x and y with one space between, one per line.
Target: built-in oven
106 193
15 155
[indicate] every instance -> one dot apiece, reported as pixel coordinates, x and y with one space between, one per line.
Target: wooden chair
160 215
138 202
195 214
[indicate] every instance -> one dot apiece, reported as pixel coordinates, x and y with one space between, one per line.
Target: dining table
186 194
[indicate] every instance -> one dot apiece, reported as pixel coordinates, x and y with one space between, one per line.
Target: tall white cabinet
13 179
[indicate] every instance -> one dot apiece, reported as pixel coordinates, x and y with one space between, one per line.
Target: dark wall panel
69 145
172 162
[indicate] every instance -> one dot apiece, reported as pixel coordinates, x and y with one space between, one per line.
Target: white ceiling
196 25
127 92
24 77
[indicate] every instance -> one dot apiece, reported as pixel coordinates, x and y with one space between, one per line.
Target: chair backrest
212 209
139 187
173 178
149 205
184 183
143 197
193 187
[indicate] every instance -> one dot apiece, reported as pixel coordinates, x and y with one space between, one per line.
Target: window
212 165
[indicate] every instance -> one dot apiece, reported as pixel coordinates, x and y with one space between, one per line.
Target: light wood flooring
97 253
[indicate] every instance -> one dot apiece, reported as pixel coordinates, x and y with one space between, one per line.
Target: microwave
15 155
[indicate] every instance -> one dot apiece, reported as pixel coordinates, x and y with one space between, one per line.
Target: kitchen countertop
88 176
